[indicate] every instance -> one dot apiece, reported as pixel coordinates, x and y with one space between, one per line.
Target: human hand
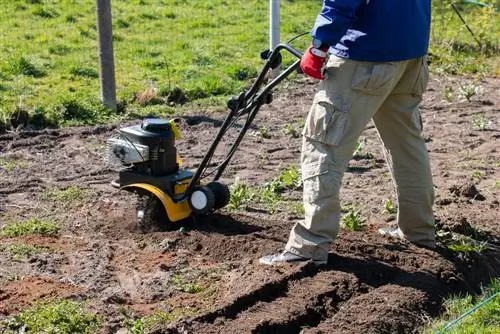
313 61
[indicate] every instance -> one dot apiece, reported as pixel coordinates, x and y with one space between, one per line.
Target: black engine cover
158 135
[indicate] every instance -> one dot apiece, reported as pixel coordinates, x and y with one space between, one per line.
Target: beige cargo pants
353 93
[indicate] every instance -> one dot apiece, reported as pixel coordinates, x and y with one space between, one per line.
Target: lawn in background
170 51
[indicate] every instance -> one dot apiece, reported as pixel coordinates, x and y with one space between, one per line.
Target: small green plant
448 93
468 91
64 317
23 251
264 132
353 220
145 324
358 150
389 206
477 175
461 243
290 178
180 284
480 122
10 164
241 194
290 130
29 227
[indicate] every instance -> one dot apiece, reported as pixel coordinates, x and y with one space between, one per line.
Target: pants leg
345 102
399 125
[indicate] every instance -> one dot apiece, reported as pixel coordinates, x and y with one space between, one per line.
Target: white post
274 27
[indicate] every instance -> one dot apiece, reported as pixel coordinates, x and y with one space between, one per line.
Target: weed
241 194
29 227
179 284
352 220
477 174
480 122
264 132
10 164
270 194
290 130
468 91
389 206
290 178
159 318
358 150
460 243
448 93
72 194
23 251
63 317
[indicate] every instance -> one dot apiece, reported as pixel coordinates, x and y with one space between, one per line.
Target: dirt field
208 278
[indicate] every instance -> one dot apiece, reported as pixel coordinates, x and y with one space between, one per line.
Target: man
377 70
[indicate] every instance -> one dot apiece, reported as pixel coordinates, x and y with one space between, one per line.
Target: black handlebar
246 103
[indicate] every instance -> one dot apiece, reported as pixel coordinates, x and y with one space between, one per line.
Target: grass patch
179 283
71 194
11 164
30 227
24 251
485 320
159 318
63 317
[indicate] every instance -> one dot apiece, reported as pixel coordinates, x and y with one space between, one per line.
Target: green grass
30 227
159 318
206 49
71 194
179 283
23 251
10 164
58 317
485 320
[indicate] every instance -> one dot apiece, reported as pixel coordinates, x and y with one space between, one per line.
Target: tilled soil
207 274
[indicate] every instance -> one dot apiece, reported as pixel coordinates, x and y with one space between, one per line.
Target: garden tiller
151 167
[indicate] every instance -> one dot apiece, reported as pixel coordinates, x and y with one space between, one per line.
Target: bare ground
208 276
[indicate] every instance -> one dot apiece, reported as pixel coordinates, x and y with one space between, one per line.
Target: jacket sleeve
335 19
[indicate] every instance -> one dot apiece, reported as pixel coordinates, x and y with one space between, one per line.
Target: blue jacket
375 30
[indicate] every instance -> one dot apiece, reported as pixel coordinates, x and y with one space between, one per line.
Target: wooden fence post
106 57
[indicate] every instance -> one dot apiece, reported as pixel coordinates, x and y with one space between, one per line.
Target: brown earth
208 277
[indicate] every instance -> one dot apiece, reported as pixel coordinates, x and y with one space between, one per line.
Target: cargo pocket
327 120
373 79
311 180
422 78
